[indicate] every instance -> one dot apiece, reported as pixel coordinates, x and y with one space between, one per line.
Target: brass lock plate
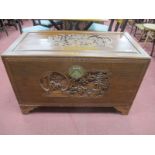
76 72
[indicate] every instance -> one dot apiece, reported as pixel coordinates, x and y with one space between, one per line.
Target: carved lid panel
77 43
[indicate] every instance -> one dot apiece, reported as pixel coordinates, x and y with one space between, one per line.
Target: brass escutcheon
76 72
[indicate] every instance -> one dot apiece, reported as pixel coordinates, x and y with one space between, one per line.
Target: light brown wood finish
113 62
27 109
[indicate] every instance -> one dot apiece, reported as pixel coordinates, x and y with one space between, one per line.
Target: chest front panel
42 80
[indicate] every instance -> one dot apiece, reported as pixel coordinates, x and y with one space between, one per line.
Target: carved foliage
91 84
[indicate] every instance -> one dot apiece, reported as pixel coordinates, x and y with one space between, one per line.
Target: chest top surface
76 44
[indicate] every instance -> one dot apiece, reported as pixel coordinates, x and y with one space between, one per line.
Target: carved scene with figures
93 84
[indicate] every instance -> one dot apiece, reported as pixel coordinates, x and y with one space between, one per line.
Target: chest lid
76 44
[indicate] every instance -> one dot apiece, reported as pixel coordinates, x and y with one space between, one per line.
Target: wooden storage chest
75 69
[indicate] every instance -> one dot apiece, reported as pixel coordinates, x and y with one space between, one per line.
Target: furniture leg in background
2 27
150 35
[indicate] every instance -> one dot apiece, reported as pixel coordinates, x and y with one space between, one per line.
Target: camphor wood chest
75 69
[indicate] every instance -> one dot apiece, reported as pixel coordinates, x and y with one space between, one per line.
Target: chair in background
46 23
138 25
58 24
150 36
101 27
132 23
77 24
121 23
12 22
35 28
2 27
104 28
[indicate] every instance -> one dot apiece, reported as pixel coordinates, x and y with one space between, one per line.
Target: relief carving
90 84
80 40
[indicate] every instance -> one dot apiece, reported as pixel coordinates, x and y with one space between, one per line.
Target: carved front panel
76 83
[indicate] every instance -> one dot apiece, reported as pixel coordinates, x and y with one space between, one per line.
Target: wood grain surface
38 65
